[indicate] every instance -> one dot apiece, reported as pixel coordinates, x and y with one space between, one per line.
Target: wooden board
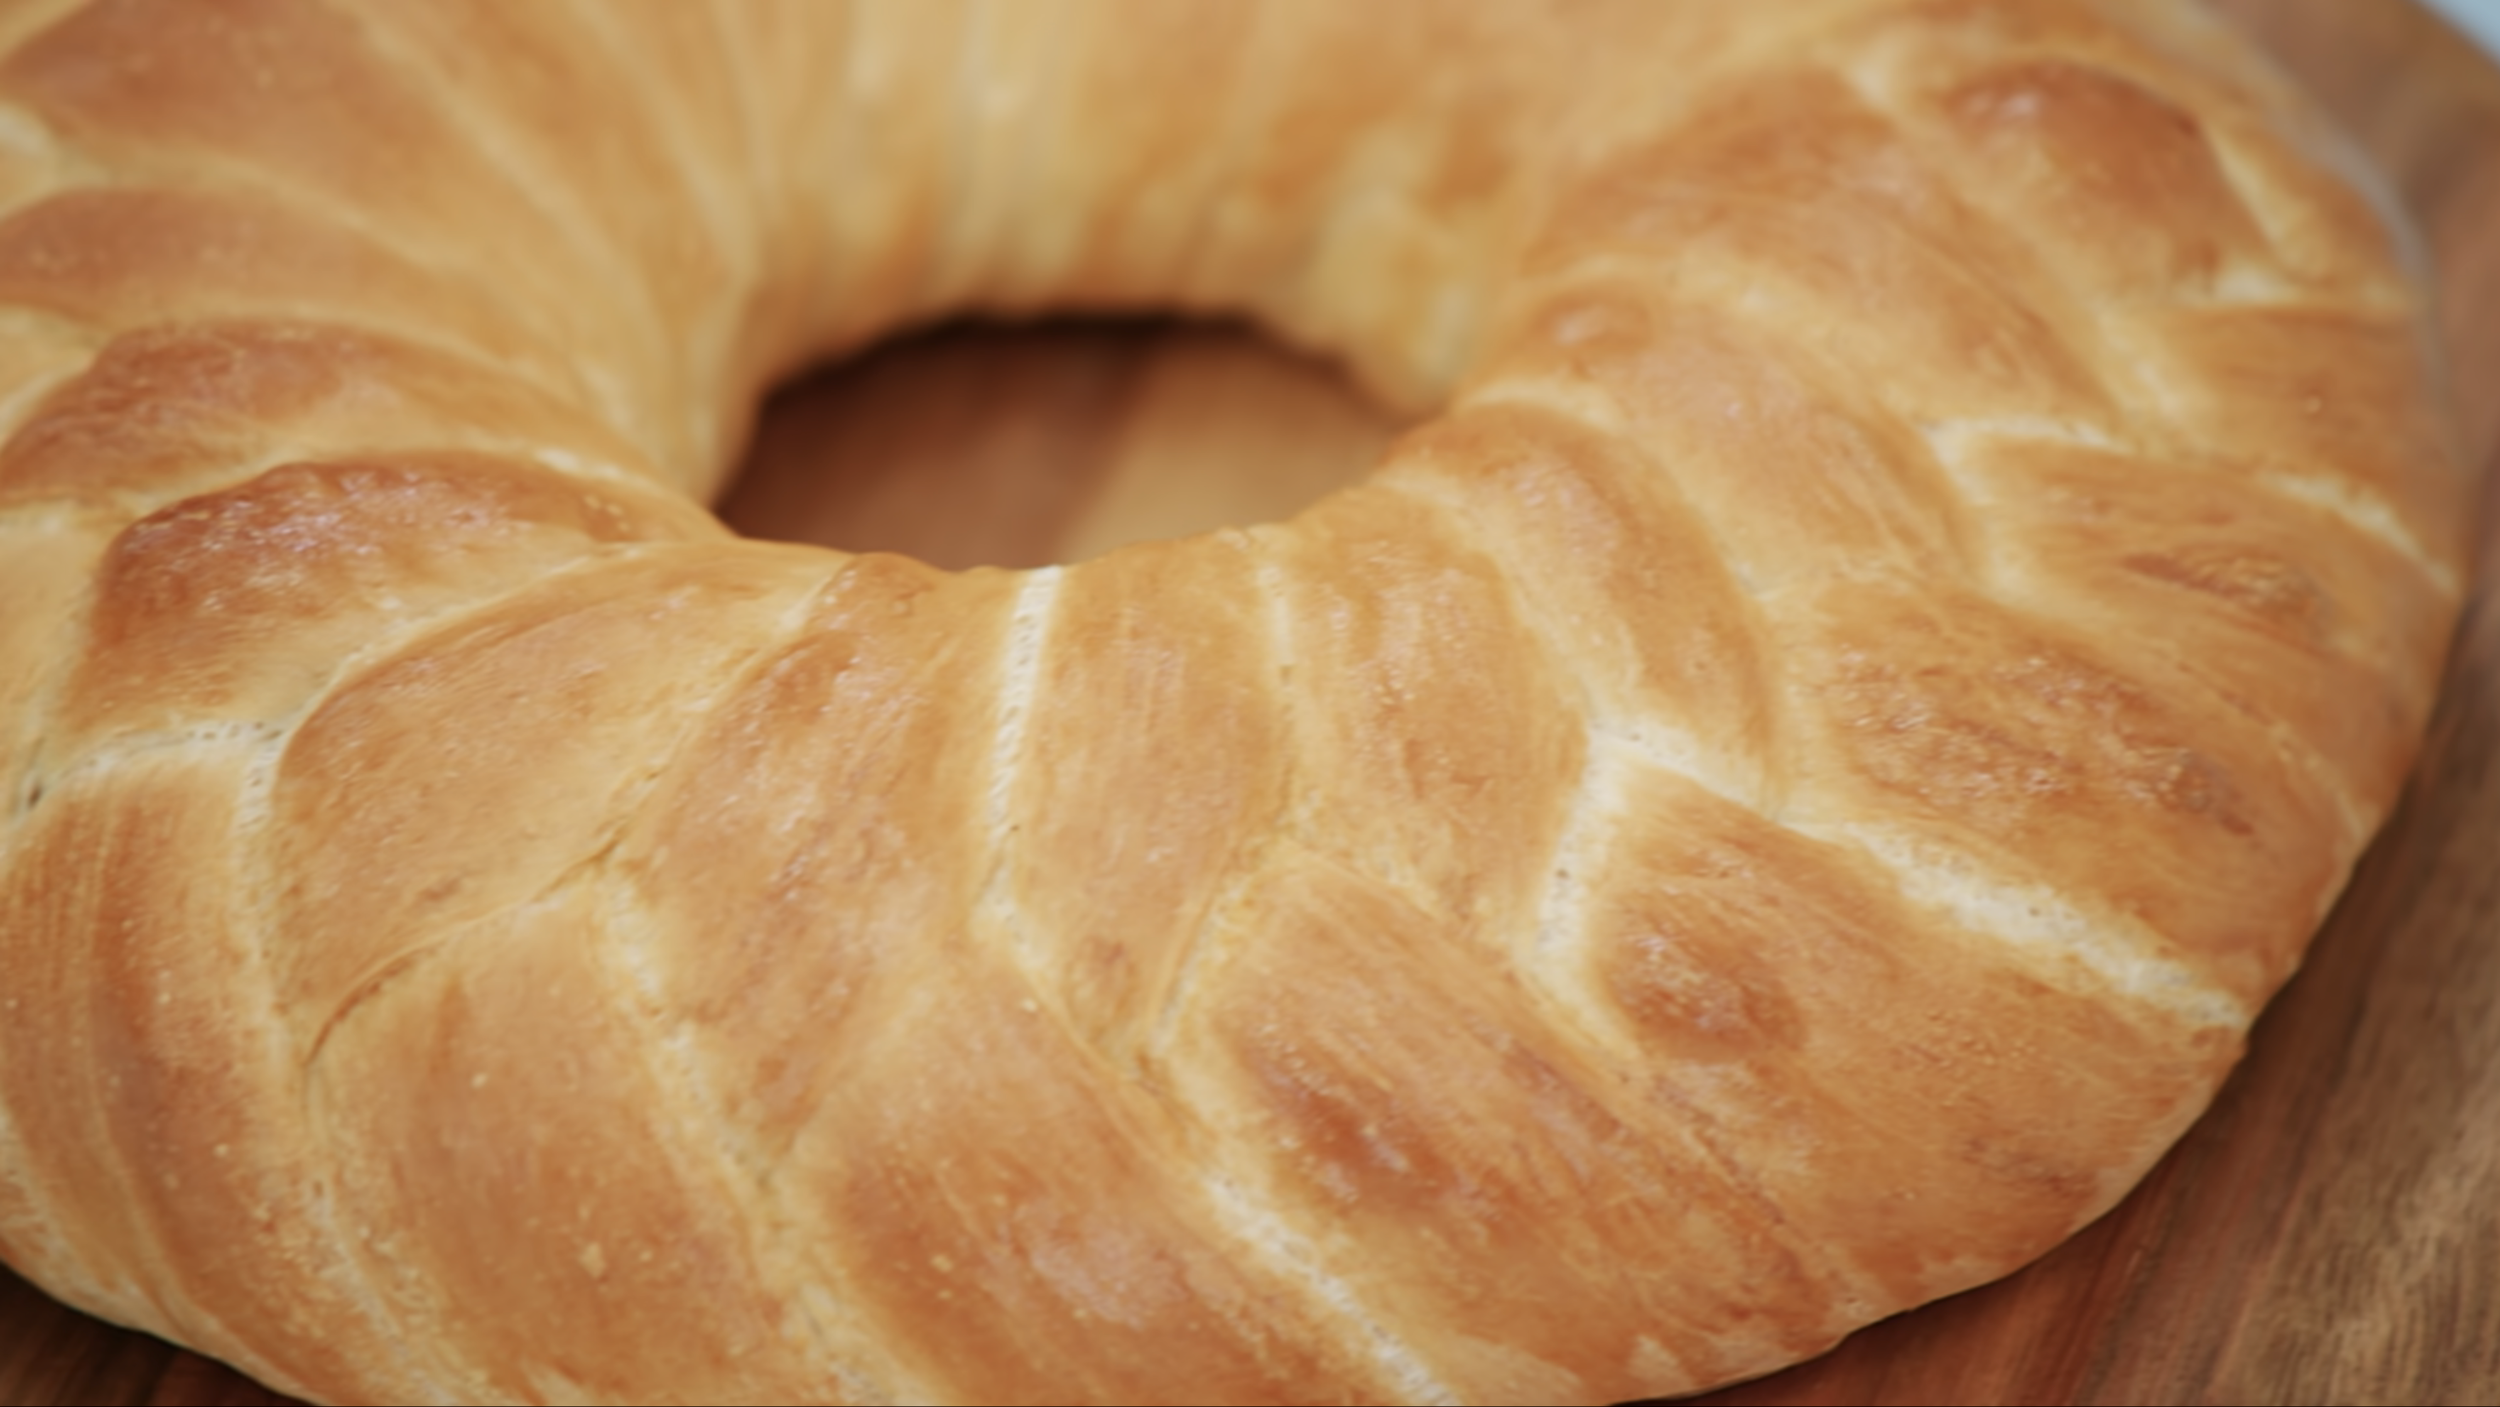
2330 1231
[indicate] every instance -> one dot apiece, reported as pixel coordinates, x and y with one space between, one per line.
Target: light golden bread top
1775 806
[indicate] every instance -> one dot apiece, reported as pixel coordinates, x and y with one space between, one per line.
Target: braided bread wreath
1777 804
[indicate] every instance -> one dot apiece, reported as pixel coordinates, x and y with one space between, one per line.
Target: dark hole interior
984 444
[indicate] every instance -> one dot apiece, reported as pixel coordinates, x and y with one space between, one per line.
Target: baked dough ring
1777 805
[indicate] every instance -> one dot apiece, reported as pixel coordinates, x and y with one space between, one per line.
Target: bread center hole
987 445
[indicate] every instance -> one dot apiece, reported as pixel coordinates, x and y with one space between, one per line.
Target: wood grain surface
2330 1232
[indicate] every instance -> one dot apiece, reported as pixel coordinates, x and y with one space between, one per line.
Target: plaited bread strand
1774 807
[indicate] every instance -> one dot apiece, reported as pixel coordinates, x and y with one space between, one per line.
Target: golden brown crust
1776 805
